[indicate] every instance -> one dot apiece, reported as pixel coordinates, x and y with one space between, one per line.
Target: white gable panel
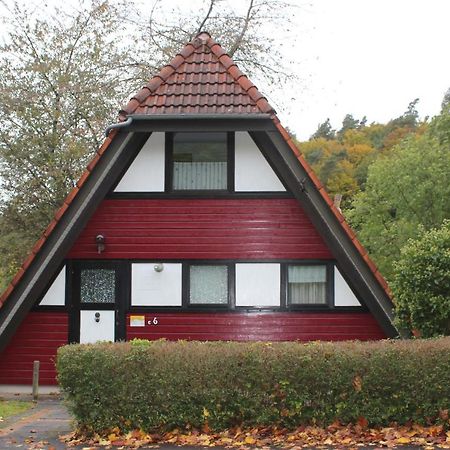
343 295
152 288
56 295
252 171
146 173
257 284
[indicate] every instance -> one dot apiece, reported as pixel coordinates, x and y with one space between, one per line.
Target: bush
161 385
422 283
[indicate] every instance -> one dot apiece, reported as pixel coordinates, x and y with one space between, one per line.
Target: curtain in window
307 284
200 175
208 285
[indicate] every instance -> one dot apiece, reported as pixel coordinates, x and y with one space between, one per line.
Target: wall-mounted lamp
158 267
100 241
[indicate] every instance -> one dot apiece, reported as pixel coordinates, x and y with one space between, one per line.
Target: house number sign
139 321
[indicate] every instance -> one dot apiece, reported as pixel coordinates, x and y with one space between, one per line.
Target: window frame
168 176
329 287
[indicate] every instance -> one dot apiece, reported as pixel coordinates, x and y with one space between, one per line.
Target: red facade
201 229
270 326
229 229
37 338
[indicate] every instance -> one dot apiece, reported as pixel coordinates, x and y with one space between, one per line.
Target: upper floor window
199 161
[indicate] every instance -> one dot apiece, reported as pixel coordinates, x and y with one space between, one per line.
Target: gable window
208 285
199 161
307 285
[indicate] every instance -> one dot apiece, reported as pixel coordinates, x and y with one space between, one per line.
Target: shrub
422 283
161 385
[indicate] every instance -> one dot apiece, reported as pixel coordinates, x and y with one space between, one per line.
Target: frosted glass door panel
97 286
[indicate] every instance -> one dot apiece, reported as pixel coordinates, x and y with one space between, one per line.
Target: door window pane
97 286
199 161
307 285
208 285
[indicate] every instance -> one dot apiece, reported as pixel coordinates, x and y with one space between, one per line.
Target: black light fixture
100 241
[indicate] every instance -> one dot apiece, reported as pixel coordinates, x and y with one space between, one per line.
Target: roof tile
201 79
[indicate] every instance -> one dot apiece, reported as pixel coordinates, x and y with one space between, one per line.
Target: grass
12 407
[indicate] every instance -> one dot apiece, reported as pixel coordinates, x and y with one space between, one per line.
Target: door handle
97 317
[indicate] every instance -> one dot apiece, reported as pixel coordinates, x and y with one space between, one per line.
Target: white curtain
200 175
307 285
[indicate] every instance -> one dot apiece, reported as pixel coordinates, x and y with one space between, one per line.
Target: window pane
208 285
307 285
98 286
200 161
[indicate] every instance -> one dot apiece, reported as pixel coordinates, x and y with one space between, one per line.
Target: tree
64 75
406 188
245 32
349 123
324 130
422 283
58 89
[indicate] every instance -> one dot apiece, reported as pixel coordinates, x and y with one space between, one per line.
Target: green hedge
162 385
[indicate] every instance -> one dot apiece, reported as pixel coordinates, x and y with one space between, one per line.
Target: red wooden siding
37 338
201 229
259 326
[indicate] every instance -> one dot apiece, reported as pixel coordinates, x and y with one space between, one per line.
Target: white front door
95 301
97 326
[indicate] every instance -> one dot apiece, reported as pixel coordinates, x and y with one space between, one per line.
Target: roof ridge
201 39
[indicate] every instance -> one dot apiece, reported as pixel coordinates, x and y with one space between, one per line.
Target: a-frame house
198 218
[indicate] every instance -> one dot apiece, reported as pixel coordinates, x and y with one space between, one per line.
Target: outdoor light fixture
100 241
158 267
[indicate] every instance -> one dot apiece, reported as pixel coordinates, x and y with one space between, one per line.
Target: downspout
118 125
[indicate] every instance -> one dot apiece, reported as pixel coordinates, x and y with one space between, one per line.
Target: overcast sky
364 57
370 57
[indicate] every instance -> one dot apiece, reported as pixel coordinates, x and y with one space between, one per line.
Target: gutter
115 126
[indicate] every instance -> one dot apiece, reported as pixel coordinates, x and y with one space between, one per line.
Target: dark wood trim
231 150
214 123
179 195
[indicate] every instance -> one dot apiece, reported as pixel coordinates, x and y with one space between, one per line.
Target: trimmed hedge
162 385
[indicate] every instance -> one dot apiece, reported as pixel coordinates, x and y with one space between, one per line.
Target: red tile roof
201 79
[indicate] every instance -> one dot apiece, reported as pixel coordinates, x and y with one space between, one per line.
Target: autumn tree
64 75
324 130
406 189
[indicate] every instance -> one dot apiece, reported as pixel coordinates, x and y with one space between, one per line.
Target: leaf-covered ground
336 434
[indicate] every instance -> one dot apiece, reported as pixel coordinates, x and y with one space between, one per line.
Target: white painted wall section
92 331
146 173
56 294
152 288
258 284
252 171
343 295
